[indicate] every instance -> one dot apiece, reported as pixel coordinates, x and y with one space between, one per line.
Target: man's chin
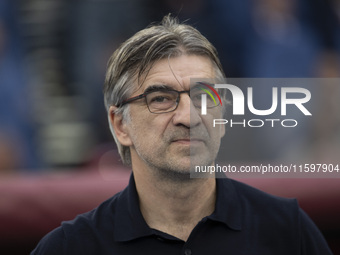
187 165
181 167
176 175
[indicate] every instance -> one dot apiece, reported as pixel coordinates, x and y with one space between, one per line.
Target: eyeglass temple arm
126 101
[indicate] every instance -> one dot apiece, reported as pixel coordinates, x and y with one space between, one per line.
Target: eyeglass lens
167 100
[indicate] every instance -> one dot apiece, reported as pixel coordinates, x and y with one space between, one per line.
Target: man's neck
174 207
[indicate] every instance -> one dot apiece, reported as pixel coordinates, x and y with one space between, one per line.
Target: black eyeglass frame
132 99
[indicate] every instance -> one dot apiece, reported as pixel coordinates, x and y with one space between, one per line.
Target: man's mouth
188 141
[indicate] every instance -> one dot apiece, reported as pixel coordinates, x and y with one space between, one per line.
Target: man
161 133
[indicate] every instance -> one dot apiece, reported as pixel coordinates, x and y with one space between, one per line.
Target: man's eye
159 99
197 96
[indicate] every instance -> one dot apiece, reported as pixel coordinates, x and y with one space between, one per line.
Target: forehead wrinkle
209 72
161 81
174 76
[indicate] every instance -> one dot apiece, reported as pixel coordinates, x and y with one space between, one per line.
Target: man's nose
186 113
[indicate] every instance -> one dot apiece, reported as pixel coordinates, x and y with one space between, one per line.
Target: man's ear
119 126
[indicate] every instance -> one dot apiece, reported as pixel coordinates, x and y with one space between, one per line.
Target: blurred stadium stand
53 57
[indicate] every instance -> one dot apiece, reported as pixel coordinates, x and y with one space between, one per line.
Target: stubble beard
168 165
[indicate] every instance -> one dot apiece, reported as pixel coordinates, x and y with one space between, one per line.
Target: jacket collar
129 223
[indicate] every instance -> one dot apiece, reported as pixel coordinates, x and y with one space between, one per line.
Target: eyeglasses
167 100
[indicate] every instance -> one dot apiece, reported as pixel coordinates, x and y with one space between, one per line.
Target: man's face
171 142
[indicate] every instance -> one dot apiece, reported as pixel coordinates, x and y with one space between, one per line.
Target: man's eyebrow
157 87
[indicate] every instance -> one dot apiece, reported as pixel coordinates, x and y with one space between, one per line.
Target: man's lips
188 140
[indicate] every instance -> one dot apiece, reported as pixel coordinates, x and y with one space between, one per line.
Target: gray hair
136 56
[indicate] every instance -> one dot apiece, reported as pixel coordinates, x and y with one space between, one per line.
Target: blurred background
53 56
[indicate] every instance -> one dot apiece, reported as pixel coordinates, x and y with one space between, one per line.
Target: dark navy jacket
246 221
